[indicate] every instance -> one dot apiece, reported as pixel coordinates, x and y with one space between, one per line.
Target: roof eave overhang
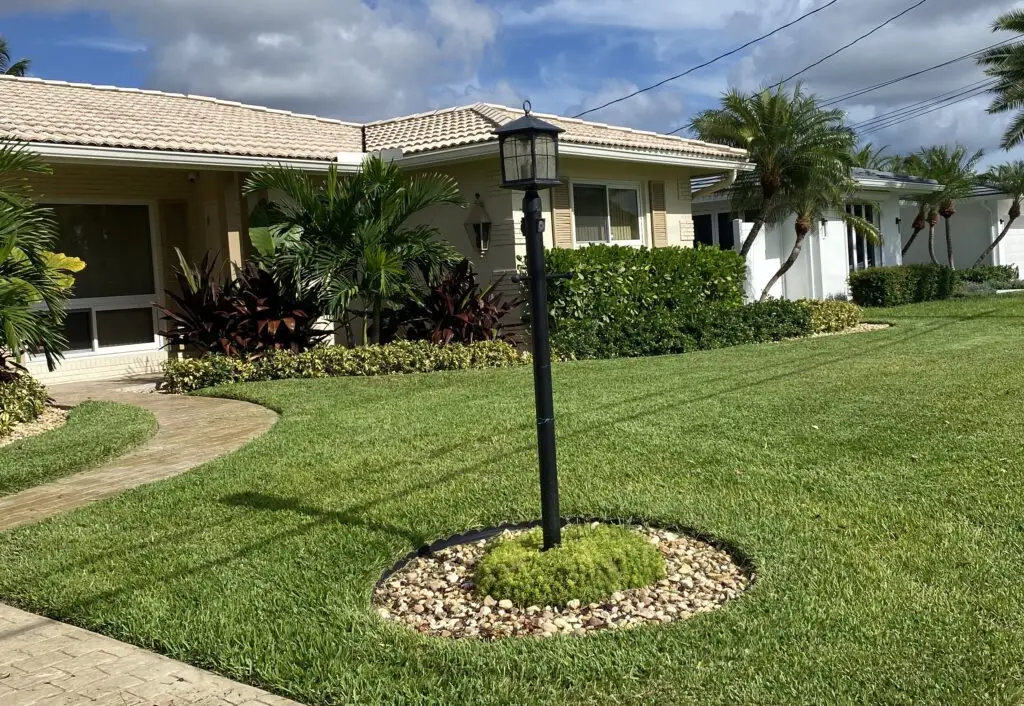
124 156
570 149
901 186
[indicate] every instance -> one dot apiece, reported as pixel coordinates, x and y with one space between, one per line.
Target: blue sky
373 59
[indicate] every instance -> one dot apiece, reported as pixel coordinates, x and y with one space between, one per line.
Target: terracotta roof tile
474 124
103 116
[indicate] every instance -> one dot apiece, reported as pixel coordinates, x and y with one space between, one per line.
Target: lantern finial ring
527 106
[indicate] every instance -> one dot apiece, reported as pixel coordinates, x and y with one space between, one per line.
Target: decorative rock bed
50 419
434 594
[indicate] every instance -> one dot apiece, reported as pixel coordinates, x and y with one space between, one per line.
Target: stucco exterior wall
972 233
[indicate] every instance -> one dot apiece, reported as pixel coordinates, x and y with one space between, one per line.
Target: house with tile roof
138 173
831 251
979 220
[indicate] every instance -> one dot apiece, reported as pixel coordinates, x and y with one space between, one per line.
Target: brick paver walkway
193 430
46 663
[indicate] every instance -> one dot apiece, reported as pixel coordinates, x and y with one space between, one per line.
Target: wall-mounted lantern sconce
478 226
1002 221
824 223
899 221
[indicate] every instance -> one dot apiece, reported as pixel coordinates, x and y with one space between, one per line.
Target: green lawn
876 481
95 432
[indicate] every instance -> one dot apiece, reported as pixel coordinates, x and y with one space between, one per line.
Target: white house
832 250
979 220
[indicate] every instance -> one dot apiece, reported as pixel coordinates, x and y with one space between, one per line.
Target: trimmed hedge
589 565
905 284
22 399
991 273
396 358
623 301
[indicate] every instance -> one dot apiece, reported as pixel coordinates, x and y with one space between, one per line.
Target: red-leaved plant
457 310
245 316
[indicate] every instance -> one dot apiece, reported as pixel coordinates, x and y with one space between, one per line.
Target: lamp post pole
533 230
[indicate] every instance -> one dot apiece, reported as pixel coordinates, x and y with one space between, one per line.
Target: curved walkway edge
191 431
47 663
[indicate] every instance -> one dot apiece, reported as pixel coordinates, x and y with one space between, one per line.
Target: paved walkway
46 663
192 431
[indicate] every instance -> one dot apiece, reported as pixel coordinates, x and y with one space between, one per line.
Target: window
113 296
605 213
714 230
861 253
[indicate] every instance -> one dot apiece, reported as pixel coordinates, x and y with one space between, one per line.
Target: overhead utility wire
709 62
843 48
837 51
974 94
924 104
884 84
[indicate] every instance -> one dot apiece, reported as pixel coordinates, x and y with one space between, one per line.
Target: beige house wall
194 211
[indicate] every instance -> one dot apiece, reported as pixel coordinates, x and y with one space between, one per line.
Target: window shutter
561 215
659 220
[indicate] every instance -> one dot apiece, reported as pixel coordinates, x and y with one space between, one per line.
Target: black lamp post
529 161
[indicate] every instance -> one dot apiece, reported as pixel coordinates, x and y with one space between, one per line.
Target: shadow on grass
351 515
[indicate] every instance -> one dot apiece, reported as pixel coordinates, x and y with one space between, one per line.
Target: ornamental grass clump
592 563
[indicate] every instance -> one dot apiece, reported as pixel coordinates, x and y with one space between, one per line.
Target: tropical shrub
246 315
622 301
401 357
990 273
22 399
833 316
351 239
591 564
904 284
35 283
457 310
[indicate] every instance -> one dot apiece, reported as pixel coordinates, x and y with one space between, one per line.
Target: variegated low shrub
397 358
833 316
22 399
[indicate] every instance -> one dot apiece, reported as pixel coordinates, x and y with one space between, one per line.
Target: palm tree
1006 65
927 204
1008 179
349 238
955 170
867 157
788 135
18 68
824 195
34 282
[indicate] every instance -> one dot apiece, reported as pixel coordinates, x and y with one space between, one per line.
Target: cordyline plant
457 310
246 316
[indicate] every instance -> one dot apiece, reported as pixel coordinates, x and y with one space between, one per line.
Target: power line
973 94
884 84
926 103
847 46
709 62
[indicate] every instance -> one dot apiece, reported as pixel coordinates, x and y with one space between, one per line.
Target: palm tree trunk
931 244
787 264
378 309
913 237
748 242
949 244
995 243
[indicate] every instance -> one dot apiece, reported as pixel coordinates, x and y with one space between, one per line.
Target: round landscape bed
434 591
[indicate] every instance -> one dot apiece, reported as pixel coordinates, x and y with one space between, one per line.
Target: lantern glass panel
547 162
518 154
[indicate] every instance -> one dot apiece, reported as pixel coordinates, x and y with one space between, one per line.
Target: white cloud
333 57
115 45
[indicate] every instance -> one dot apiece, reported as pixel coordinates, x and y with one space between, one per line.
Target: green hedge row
709 327
905 284
334 361
623 301
22 399
990 273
